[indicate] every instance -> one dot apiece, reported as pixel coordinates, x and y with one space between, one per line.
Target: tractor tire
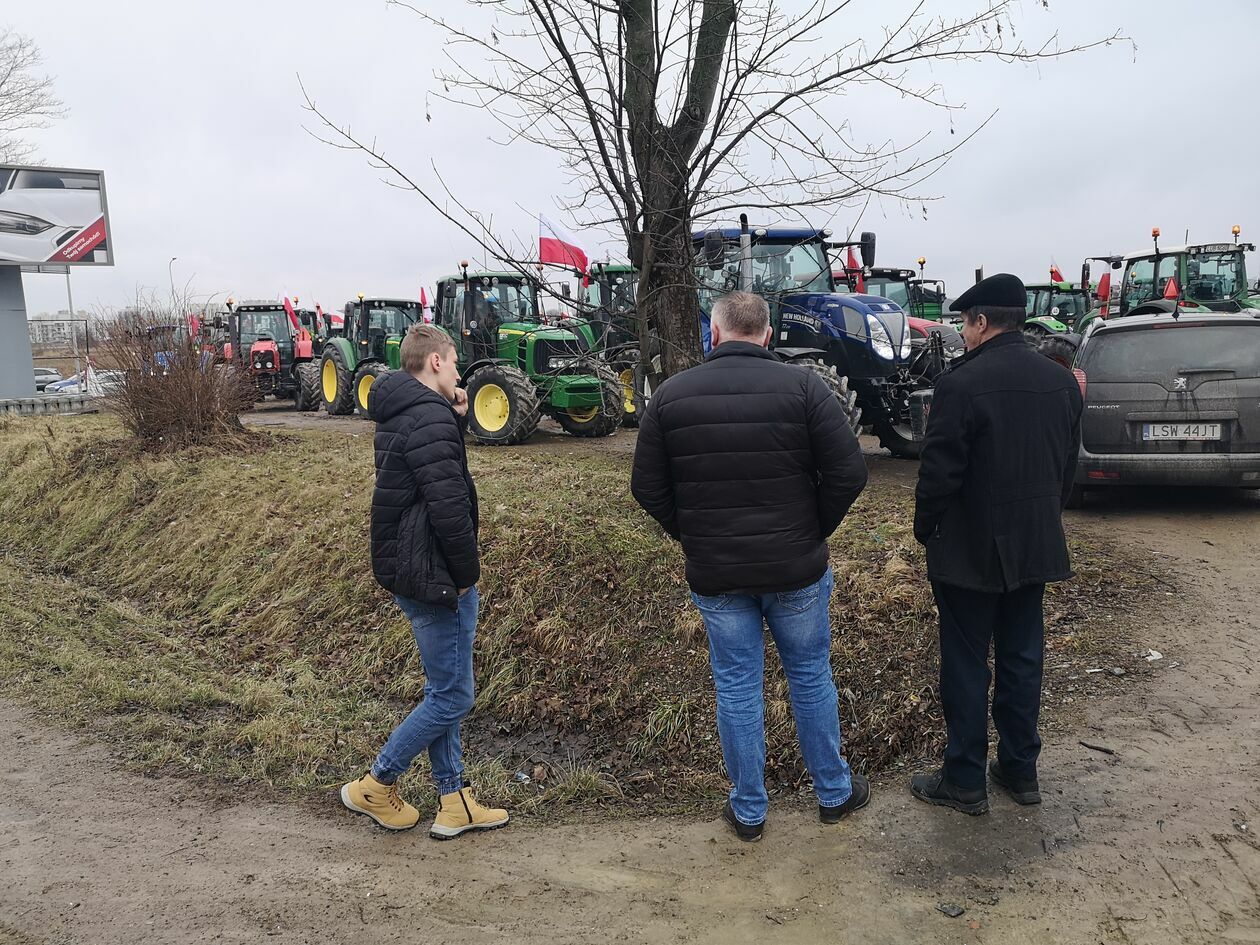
336 383
839 385
598 421
502 405
1035 334
306 394
1059 350
896 438
364 378
627 368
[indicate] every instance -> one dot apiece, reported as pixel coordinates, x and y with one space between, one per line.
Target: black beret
1003 289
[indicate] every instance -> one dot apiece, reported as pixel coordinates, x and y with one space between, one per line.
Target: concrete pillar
17 375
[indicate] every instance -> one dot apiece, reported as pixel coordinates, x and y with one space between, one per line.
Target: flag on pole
1055 275
558 247
426 315
853 270
1104 292
293 319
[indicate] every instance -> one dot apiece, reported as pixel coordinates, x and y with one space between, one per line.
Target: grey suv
1170 402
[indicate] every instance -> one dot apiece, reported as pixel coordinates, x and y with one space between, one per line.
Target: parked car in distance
1169 401
98 383
45 376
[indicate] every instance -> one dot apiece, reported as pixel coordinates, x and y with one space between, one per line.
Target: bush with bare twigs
169 392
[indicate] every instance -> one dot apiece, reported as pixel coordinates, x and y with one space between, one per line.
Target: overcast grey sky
194 113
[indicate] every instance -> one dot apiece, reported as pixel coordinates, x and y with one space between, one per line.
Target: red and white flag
426 314
1055 275
293 319
558 247
854 272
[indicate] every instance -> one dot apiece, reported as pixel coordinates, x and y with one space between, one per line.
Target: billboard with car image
53 215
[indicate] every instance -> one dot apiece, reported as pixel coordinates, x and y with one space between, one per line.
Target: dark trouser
969 620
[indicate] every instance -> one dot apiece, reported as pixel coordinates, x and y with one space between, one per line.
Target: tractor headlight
270 363
879 337
903 346
559 364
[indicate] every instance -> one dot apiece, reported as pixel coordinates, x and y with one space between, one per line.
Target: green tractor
610 298
1054 308
517 367
918 297
366 349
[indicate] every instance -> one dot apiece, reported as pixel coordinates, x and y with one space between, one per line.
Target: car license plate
1181 431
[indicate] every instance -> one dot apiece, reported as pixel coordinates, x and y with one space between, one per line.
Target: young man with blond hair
424 552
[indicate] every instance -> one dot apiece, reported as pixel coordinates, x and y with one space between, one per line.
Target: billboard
53 215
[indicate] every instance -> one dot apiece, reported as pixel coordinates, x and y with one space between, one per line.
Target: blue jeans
801 628
445 640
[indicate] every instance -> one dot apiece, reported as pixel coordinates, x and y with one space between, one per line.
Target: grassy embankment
217 614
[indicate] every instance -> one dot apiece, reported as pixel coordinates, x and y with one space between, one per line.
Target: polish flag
558 247
854 271
1104 292
293 319
426 315
1055 275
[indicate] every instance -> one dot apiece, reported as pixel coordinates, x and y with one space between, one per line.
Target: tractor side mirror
218 321
1085 275
1117 263
449 290
714 250
564 290
867 247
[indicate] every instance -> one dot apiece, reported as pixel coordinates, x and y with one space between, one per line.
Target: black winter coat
751 464
996 469
424 506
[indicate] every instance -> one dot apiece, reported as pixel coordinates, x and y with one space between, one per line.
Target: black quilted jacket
424 506
751 464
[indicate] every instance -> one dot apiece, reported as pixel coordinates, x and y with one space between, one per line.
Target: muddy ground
1152 843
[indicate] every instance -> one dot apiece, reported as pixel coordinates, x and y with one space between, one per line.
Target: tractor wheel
839 385
898 440
1035 334
597 421
1059 350
627 368
502 405
306 393
336 383
364 378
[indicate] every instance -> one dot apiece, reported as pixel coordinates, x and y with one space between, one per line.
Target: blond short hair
420 342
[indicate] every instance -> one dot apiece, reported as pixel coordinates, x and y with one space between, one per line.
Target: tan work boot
380 802
460 811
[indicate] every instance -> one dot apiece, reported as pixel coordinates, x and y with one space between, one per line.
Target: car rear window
1173 349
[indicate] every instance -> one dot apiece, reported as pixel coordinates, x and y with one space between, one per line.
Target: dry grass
217 613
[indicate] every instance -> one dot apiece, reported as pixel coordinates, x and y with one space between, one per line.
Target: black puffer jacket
751 464
424 506
996 469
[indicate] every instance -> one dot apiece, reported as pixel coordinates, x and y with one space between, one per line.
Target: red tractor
270 343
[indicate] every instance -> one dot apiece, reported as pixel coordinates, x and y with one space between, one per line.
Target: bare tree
27 102
670 111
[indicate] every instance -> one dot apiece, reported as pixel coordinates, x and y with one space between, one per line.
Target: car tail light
1080 378
1100 474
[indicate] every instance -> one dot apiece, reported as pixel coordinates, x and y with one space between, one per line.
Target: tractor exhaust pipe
745 255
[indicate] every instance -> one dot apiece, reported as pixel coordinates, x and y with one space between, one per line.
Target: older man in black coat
995 472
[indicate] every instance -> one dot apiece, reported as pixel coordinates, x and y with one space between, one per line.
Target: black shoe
749 833
1024 792
860 797
935 788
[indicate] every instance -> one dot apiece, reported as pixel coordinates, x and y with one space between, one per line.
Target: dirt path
1155 843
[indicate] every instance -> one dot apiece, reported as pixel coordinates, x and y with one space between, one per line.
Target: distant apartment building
50 329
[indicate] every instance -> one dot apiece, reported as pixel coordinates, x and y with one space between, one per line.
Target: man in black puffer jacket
424 552
751 464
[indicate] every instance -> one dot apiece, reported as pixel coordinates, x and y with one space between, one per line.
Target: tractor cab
366 348
475 308
918 296
1211 276
610 297
262 340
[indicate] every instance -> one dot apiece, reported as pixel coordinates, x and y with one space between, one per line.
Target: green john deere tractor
918 297
610 298
367 348
517 368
